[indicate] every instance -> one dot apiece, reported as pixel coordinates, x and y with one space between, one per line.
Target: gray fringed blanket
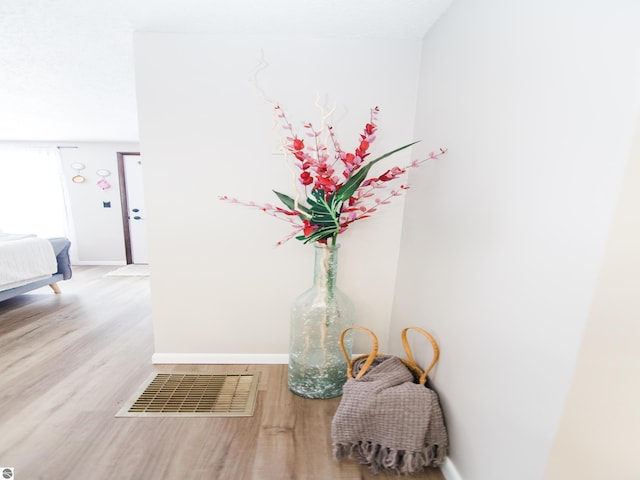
387 421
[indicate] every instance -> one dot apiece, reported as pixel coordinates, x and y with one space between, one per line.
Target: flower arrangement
332 190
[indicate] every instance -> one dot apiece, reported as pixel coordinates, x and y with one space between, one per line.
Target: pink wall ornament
103 183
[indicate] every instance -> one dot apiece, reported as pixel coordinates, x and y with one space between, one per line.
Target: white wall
598 432
503 240
96 232
218 285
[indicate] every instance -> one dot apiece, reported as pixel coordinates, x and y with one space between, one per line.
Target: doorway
133 208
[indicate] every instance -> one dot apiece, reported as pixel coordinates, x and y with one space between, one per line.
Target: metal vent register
195 395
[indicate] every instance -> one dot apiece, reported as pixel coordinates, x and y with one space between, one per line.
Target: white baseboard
221 358
98 262
450 471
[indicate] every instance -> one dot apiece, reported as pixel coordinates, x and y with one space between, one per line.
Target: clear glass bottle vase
317 368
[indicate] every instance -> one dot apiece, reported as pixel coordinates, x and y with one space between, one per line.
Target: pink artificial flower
306 178
369 128
317 164
308 228
298 144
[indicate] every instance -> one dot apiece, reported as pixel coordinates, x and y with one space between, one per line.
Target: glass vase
317 368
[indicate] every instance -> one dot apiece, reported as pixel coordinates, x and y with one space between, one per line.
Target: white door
136 211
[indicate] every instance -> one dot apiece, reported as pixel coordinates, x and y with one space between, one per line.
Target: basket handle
412 363
370 358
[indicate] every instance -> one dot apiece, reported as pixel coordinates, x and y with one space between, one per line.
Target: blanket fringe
381 458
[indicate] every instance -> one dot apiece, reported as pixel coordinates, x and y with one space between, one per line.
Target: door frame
124 204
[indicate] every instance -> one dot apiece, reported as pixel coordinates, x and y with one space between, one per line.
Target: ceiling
66 66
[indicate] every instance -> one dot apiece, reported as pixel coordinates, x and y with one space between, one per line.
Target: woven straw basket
389 418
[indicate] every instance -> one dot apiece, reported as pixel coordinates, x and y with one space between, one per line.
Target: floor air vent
195 395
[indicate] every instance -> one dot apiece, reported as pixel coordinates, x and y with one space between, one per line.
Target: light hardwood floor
67 364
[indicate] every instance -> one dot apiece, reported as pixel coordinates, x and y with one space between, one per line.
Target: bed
28 262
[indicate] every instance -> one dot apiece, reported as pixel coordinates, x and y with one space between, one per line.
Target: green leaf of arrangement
319 234
325 216
321 211
348 189
291 205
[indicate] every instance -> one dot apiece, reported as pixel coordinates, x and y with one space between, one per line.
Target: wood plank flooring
67 364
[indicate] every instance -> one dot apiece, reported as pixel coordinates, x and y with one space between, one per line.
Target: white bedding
23 259
5 237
